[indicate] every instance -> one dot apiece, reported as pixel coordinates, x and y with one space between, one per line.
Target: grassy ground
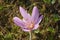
49 27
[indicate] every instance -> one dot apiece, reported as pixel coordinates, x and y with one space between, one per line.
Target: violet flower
29 22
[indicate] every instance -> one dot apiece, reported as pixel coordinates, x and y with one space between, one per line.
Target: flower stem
30 34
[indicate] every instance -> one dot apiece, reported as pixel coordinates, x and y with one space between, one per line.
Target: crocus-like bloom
29 22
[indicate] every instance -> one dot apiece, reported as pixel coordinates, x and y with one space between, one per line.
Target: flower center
30 25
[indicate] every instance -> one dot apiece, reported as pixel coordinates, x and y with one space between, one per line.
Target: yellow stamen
30 25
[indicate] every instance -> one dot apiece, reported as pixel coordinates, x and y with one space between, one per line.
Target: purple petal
35 14
26 30
36 26
18 22
39 19
24 13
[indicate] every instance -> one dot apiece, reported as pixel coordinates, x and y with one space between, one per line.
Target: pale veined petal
36 26
35 14
26 30
18 22
39 19
24 13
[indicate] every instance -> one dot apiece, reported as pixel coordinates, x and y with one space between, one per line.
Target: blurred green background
49 27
